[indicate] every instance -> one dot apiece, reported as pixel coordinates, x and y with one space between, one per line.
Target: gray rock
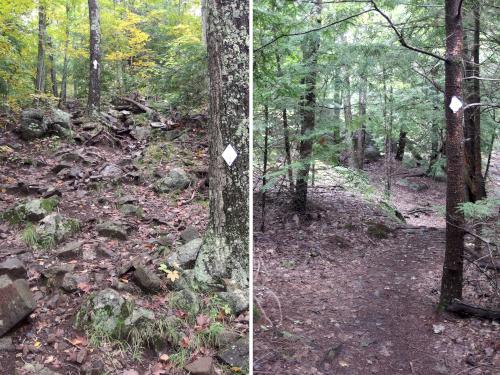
69 251
60 166
131 210
236 299
185 300
6 345
236 354
55 274
189 234
127 199
14 268
16 302
113 230
33 210
146 279
32 125
201 366
55 228
185 256
37 369
69 283
177 179
111 171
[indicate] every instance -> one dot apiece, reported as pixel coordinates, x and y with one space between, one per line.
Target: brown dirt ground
336 300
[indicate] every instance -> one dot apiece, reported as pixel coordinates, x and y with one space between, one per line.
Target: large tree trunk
64 81
42 35
451 282
310 47
286 133
224 253
472 116
94 99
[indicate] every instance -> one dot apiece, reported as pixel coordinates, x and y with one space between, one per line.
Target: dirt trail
342 301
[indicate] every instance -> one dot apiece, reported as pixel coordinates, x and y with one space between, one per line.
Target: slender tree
42 39
64 81
53 75
94 98
310 47
224 253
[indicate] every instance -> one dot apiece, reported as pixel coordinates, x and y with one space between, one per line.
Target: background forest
150 47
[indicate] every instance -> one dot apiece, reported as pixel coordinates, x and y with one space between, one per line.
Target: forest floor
109 177
350 290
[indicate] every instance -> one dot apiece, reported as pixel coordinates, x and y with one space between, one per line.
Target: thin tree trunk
64 81
337 98
492 142
360 134
224 253
264 172
42 35
387 112
53 76
472 116
452 279
346 100
434 146
310 47
286 133
94 98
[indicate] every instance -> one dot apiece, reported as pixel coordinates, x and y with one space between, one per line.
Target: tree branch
401 39
312 30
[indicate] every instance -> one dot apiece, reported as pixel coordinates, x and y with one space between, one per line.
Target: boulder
69 251
55 228
236 354
146 279
131 210
112 229
236 299
16 302
189 234
201 366
185 300
56 274
175 180
13 268
185 256
111 171
36 123
33 210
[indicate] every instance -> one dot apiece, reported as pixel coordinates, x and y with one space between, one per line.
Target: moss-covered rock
33 210
185 300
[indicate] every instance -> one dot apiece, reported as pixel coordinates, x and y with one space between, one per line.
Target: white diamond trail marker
455 104
229 155
95 64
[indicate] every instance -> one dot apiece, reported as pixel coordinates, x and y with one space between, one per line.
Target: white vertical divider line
250 193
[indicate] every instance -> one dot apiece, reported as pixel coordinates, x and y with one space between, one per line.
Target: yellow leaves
173 275
37 344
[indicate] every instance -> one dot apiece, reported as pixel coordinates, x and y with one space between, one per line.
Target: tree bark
346 101
224 253
286 134
42 36
94 98
53 76
452 279
310 47
472 116
360 134
400 152
264 171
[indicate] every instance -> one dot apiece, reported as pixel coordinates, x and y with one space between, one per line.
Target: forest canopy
151 47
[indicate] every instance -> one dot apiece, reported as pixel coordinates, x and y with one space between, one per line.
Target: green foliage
483 209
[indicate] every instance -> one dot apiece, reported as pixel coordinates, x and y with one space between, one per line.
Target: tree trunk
264 171
310 47
64 81
400 152
452 279
360 134
388 133
346 101
337 98
42 35
204 21
286 133
94 98
472 116
224 253
53 76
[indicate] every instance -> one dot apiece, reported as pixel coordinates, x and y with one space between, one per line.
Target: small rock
127 199
17 302
237 300
6 345
236 355
201 366
185 300
177 179
185 256
37 369
146 279
69 283
113 230
131 210
70 250
189 234
14 268
111 171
